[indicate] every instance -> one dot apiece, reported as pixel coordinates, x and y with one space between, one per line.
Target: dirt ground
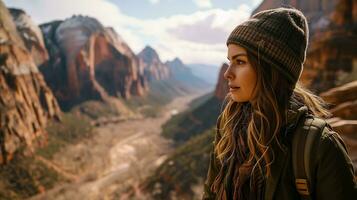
120 155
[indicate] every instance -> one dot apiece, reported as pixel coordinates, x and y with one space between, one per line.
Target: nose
228 74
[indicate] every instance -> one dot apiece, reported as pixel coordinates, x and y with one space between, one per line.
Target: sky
193 30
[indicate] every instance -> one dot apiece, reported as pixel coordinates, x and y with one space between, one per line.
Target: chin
238 100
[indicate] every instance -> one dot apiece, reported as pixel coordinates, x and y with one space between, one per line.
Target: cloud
213 28
195 38
203 3
256 3
201 32
154 1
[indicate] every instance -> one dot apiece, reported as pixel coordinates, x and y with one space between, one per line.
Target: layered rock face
140 82
89 61
154 69
343 100
222 84
332 56
26 102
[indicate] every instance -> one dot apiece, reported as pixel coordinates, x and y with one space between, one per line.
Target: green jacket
333 174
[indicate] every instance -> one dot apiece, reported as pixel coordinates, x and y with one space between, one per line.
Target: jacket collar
281 156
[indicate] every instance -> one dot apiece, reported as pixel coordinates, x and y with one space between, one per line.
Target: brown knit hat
278 36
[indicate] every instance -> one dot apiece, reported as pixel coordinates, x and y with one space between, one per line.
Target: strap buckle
302 187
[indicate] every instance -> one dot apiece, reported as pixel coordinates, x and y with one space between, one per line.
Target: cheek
252 78
249 79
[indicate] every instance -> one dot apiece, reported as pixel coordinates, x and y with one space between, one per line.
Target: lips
233 88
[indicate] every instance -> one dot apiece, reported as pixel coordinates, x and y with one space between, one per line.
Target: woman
265 107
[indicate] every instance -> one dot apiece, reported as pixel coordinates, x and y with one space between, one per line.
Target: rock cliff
89 61
26 102
222 84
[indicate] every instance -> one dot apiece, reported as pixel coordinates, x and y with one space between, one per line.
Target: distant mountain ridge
205 72
183 73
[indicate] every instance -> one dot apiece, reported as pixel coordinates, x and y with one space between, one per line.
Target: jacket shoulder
333 168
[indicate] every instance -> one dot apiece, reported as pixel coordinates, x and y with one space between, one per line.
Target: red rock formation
338 95
344 110
31 35
222 84
139 84
88 61
154 69
26 103
343 101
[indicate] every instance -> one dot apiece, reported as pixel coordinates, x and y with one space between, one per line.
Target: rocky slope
344 109
26 102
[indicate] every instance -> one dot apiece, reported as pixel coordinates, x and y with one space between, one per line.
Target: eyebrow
237 55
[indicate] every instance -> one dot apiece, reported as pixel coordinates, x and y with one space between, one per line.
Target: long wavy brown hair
263 117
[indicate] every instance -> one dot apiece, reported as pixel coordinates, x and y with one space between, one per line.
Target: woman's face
240 74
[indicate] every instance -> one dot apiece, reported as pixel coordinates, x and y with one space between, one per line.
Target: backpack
302 144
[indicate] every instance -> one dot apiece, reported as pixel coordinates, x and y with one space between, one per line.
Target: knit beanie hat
278 36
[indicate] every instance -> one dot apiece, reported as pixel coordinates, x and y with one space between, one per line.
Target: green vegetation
95 109
183 169
160 93
24 177
70 130
200 100
188 124
193 132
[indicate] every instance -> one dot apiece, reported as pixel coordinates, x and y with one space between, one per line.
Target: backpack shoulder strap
302 143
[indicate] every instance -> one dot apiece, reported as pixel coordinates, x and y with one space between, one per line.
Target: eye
239 62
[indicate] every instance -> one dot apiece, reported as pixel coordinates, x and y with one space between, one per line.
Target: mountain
184 74
162 86
89 62
26 102
154 69
166 80
205 72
